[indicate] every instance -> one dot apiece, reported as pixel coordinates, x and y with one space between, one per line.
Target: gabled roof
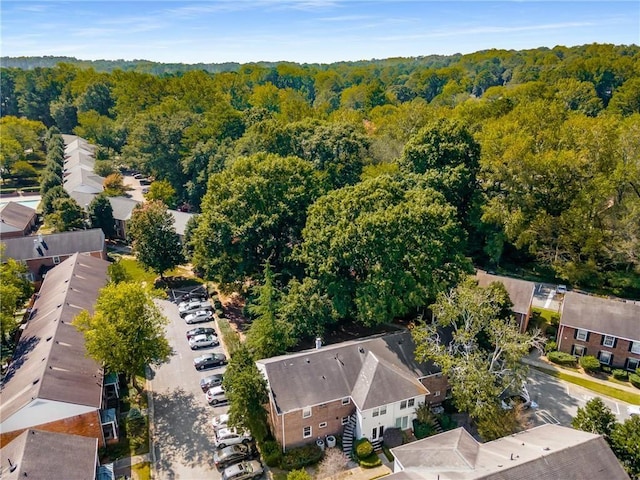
40 455
54 245
548 452
123 207
50 361
520 291
180 220
615 317
342 370
79 159
15 216
81 180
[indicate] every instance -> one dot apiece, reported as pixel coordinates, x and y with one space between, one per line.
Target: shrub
424 414
135 423
590 363
229 336
550 347
300 474
634 378
392 437
301 457
447 422
387 453
551 331
423 430
371 461
562 358
271 453
619 374
363 448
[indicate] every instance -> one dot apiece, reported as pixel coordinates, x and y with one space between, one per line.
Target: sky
304 31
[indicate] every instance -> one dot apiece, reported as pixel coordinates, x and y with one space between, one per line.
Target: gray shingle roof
50 360
55 244
40 455
81 180
16 216
520 291
548 452
180 220
336 371
618 318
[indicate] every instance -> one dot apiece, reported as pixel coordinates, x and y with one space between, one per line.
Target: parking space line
546 417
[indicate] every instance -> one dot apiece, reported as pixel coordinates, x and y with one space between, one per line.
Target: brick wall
86 425
621 350
437 385
330 413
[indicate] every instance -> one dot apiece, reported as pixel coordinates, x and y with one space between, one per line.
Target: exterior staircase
348 435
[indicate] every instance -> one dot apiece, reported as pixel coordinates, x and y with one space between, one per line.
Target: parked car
203 341
200 331
209 360
230 436
211 381
145 181
216 395
233 454
197 296
243 471
633 410
198 316
220 421
186 308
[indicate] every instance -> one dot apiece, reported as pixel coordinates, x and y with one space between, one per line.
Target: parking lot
182 434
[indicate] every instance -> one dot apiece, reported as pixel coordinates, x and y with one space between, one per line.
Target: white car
220 421
216 395
633 410
192 307
203 341
198 317
230 436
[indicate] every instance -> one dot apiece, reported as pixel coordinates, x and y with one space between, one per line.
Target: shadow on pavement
550 395
182 434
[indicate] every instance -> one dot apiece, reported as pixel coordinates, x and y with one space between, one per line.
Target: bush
371 461
392 437
135 423
551 331
562 358
423 430
300 474
229 336
590 363
300 457
634 378
387 453
271 453
550 347
363 448
447 422
619 374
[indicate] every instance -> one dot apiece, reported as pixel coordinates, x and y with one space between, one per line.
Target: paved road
182 437
558 401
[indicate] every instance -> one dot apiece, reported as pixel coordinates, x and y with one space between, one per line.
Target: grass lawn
139 274
612 392
141 471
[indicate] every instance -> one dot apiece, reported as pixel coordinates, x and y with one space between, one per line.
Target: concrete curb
150 420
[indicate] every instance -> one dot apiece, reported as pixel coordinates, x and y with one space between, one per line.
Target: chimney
318 343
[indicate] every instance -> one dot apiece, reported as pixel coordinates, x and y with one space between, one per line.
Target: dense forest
365 188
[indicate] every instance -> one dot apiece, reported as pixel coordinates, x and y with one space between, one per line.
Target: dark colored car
211 381
199 296
200 331
209 360
233 454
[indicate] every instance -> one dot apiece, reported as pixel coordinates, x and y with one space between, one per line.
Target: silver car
198 317
224 437
203 341
243 471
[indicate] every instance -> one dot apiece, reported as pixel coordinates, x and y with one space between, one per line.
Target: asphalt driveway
182 433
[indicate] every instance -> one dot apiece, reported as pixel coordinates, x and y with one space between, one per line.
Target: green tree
154 239
126 331
308 308
15 290
67 215
101 215
300 474
163 191
246 389
268 335
114 186
475 347
595 417
48 181
49 198
625 442
383 247
253 212
118 273
23 171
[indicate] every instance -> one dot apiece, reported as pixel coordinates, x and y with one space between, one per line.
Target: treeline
367 187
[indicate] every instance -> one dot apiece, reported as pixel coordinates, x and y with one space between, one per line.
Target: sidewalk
534 360
122 466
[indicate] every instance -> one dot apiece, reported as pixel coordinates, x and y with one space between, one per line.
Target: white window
383 410
346 401
403 404
608 341
436 393
345 420
56 260
402 422
582 335
411 402
375 412
322 425
306 432
306 412
635 347
579 350
605 357
632 364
